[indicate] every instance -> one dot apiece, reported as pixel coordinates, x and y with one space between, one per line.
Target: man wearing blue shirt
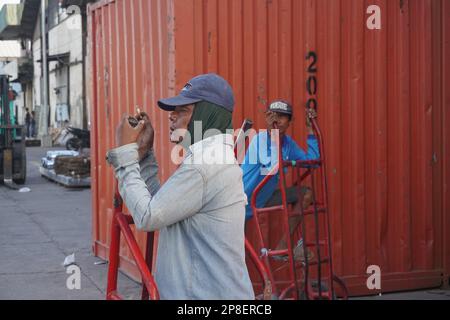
262 156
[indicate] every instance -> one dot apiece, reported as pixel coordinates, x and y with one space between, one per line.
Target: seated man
258 162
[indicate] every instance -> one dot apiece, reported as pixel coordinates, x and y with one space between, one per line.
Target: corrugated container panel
443 134
383 99
130 52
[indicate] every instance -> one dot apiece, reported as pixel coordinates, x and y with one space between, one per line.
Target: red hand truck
306 279
121 224
312 289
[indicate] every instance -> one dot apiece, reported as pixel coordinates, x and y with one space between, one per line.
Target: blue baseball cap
206 87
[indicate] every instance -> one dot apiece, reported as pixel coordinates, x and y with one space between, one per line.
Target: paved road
38 230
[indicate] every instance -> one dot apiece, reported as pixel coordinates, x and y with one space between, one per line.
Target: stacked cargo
68 168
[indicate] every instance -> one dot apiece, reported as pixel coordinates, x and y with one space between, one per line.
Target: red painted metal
320 229
127 69
121 224
241 141
383 101
263 271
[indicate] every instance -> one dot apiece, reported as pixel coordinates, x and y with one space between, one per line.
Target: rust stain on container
389 202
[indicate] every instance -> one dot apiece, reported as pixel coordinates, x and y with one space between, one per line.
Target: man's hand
271 119
147 135
125 133
310 114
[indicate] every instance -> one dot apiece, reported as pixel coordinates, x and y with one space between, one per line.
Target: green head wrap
209 116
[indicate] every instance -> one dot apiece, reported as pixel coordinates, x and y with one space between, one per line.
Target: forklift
13 163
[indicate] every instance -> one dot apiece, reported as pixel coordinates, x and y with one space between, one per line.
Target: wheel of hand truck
20 163
343 289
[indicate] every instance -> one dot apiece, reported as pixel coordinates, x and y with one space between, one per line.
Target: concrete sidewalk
38 230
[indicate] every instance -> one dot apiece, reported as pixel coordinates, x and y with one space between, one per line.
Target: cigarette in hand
133 121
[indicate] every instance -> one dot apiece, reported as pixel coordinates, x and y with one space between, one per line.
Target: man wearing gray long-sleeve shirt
200 210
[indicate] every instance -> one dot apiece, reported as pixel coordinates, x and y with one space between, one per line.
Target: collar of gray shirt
207 151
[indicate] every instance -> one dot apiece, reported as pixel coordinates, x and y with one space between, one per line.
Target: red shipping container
383 100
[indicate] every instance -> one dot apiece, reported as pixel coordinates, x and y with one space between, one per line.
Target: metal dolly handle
121 225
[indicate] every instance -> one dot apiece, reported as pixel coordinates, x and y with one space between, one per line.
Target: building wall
37 77
11 55
59 89
76 95
66 37
10 49
65 75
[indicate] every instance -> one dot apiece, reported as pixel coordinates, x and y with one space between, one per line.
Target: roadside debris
69 260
